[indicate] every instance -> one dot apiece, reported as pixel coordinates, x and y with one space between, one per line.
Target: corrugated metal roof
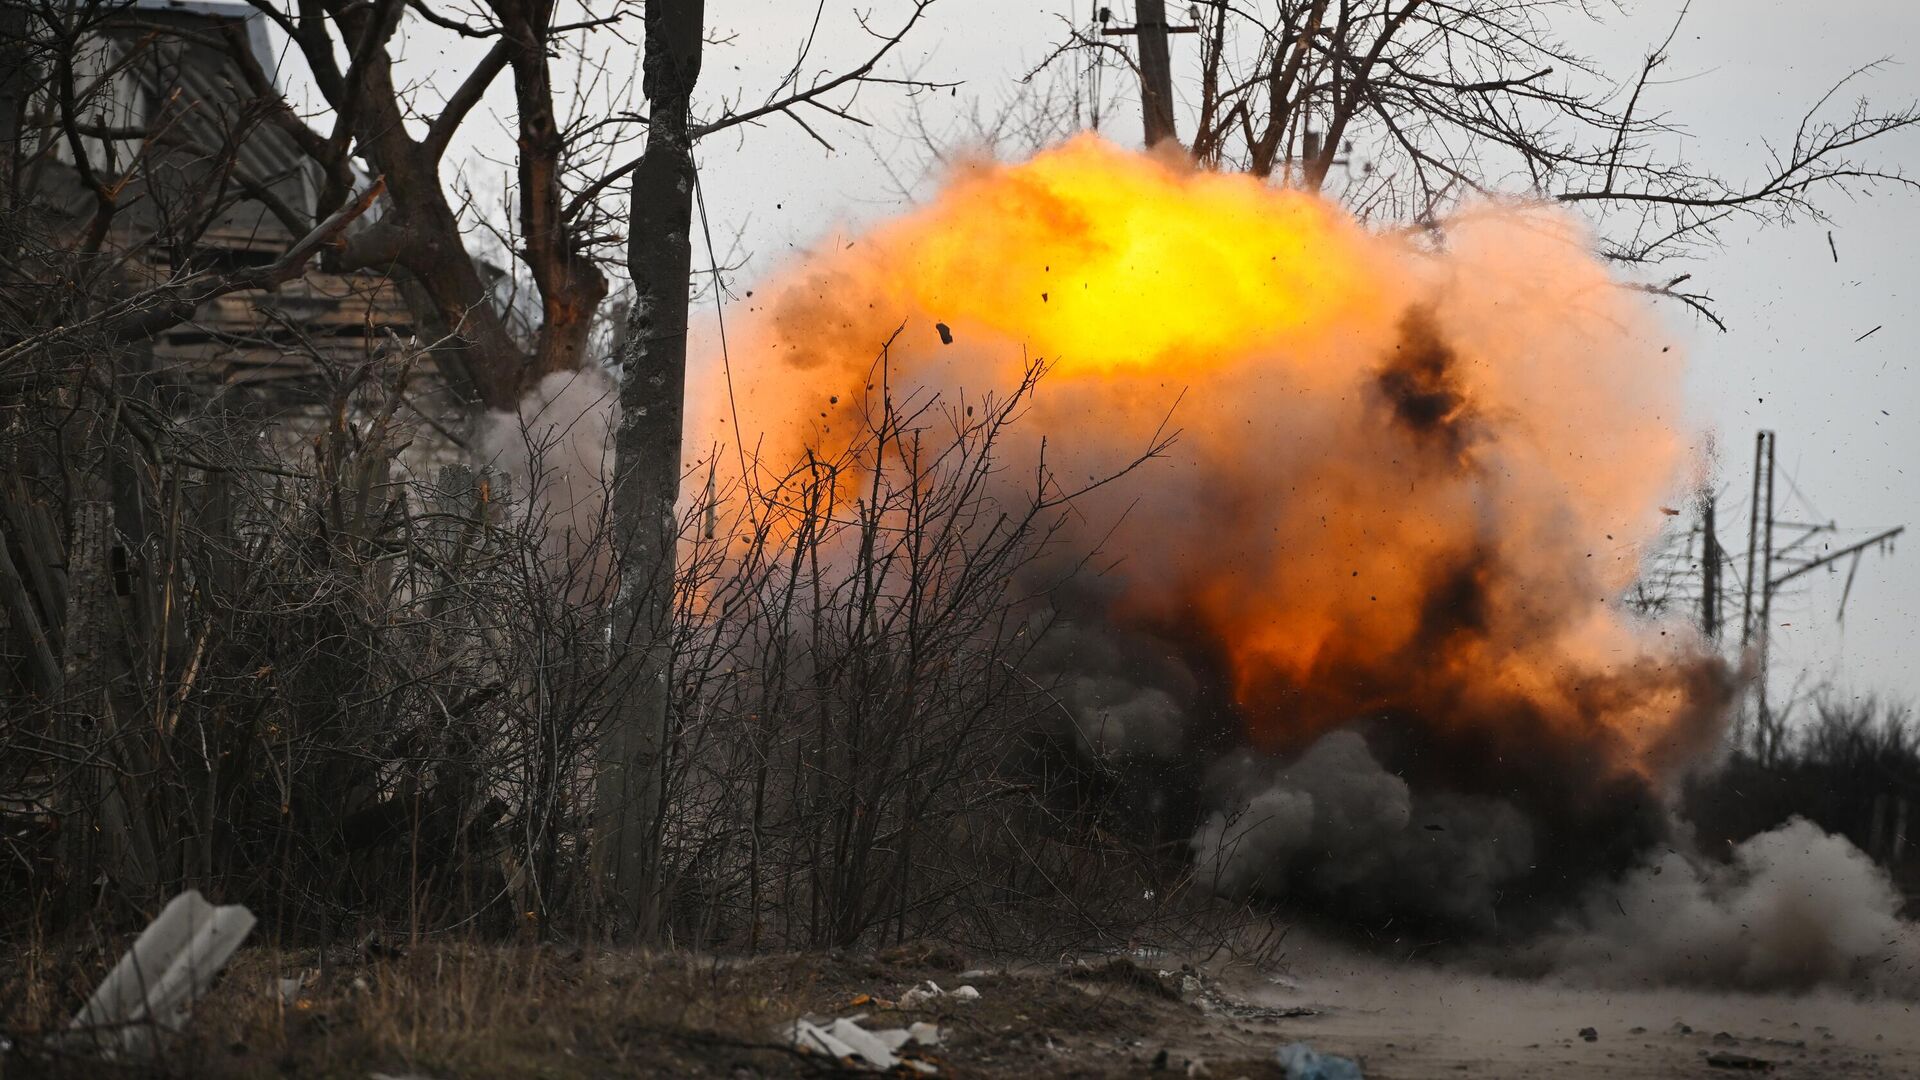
256 25
209 94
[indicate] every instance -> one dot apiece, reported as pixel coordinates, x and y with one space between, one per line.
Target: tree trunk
647 477
16 84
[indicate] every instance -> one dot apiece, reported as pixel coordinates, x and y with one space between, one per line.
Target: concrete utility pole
1766 592
1756 628
1760 457
1156 70
1711 557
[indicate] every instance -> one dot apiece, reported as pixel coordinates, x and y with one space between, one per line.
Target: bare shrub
355 699
310 685
859 754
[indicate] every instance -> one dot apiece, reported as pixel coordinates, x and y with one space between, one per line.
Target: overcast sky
1847 411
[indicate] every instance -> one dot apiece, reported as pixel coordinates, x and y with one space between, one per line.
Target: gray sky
1847 412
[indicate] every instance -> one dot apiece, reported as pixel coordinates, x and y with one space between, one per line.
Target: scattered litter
921 994
1589 1034
1240 1010
1121 971
929 990
287 989
1196 989
846 1041
1302 1062
151 991
946 333
1724 1060
920 1033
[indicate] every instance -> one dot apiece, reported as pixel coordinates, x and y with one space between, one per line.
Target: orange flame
1415 471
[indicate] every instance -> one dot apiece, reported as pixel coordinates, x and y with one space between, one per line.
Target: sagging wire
726 357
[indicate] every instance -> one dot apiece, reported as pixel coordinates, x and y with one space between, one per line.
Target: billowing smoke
1336 827
556 451
1126 697
1792 909
1360 632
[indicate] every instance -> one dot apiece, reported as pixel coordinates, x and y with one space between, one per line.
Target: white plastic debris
929 990
863 1044
925 992
150 993
919 1033
845 1040
815 1039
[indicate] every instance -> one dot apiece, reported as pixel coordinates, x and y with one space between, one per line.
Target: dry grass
447 1011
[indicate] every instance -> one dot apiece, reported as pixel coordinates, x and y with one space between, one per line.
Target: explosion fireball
1415 474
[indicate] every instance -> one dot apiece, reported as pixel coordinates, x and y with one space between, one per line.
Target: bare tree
647 454
110 207
1401 108
647 448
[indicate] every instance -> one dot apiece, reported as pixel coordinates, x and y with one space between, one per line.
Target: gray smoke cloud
1792 909
557 449
1335 827
1125 698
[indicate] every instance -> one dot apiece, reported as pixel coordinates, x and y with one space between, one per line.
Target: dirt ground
1409 1021
449 1011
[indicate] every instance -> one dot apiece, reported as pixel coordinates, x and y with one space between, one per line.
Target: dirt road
1415 1022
